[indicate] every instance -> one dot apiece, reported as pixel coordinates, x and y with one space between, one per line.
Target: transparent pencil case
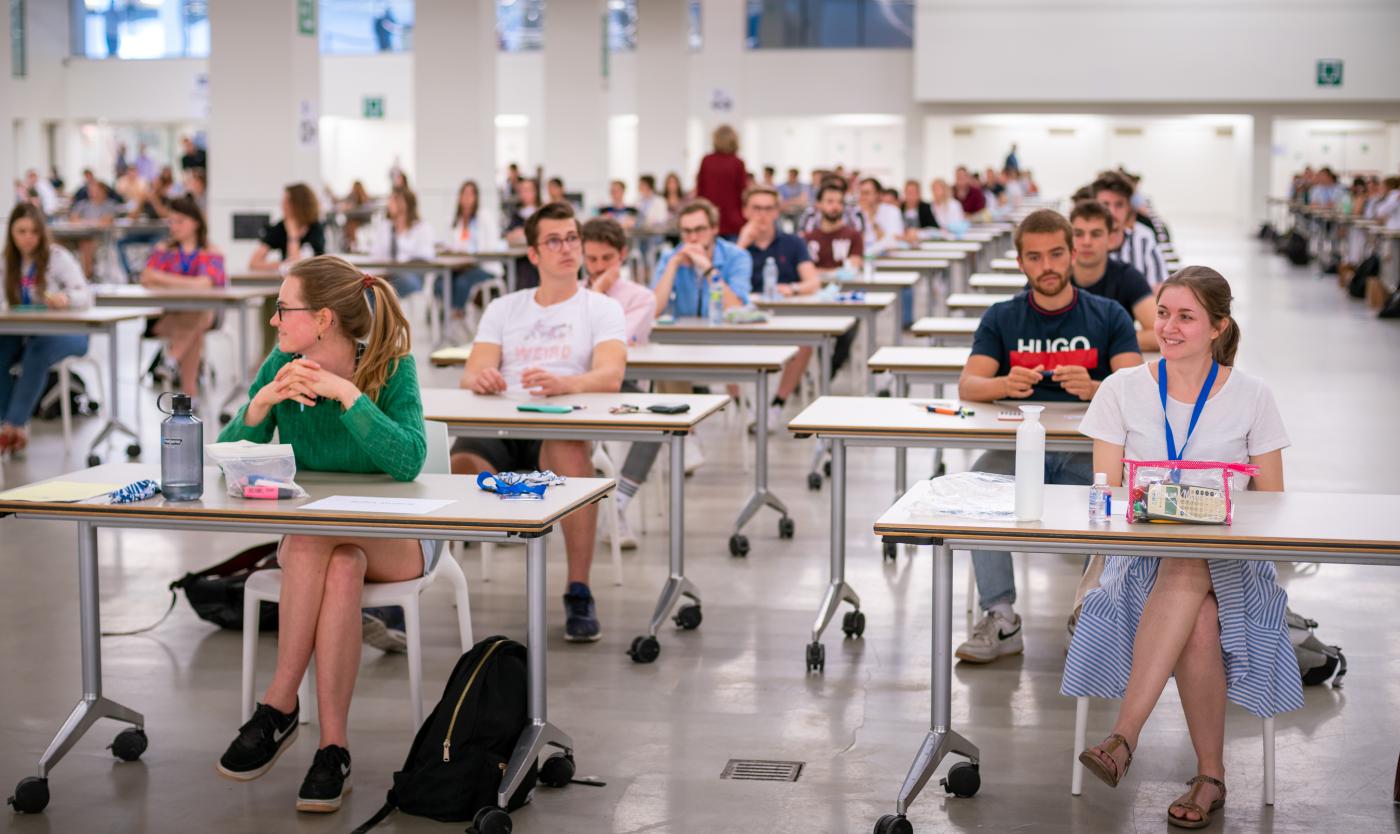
1184 491
264 471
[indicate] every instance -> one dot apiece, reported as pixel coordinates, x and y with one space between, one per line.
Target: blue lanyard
186 263
1195 411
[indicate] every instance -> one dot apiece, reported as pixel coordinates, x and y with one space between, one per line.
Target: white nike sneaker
694 455
992 637
626 539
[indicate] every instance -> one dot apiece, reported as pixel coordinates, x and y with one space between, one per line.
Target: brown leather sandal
1190 801
1099 760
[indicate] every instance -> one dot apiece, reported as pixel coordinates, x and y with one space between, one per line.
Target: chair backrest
439 458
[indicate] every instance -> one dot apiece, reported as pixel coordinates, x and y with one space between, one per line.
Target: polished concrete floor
660 735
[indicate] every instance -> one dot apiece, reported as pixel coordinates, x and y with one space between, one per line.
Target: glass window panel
697 35
143 29
520 25
622 25
363 27
18 59
830 24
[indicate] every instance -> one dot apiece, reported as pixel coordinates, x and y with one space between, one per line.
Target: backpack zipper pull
447 750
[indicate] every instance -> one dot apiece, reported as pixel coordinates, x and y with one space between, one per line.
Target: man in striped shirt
1132 242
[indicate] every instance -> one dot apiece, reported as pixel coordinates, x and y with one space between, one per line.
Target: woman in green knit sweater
342 389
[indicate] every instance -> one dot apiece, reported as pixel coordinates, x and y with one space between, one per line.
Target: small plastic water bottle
181 451
1030 465
770 279
716 302
1100 499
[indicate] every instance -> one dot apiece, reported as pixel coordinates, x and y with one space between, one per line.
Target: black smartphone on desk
669 408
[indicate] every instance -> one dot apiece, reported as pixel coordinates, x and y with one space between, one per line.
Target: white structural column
264 112
663 86
717 79
575 98
1261 171
454 92
8 101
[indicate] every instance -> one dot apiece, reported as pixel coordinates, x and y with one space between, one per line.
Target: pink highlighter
266 492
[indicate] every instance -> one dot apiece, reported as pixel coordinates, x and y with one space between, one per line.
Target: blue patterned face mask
131 493
519 486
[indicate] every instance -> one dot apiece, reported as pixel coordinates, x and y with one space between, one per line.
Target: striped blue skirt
1261 670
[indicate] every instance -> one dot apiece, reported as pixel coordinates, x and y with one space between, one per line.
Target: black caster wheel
884 393
814 481
689 617
942 470
962 780
31 795
129 744
893 824
225 419
557 770
853 624
644 649
816 657
826 469
891 551
491 821
133 450
786 528
94 460
738 545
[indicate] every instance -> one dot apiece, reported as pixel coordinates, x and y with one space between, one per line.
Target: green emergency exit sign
1329 72
373 107
306 17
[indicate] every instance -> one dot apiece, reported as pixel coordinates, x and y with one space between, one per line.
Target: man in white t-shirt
550 341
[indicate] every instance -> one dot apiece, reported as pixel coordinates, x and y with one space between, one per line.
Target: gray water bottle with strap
181 451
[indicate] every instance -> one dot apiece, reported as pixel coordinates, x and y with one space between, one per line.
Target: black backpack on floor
1367 269
1295 248
1318 662
455 765
216 593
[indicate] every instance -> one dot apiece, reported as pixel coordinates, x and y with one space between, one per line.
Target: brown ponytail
329 283
1213 291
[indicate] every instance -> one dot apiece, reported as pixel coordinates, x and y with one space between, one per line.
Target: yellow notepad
61 491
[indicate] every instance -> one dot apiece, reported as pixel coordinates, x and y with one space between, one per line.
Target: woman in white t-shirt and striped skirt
1217 625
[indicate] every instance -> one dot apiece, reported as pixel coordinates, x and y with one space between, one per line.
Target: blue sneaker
580 615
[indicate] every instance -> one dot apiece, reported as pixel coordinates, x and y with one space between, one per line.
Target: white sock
1003 610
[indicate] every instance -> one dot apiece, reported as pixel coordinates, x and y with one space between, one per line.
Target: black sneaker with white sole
259 743
327 782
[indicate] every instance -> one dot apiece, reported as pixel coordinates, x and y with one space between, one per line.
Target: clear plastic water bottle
716 301
181 451
770 279
1100 499
1030 465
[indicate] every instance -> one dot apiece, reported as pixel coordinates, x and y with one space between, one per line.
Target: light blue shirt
735 269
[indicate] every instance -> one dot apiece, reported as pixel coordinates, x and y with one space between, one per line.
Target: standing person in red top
185 260
722 179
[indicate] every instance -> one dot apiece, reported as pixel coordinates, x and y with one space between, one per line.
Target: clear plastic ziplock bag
264 471
980 495
1186 491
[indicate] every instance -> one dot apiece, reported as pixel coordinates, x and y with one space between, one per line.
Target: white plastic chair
604 464
1081 726
267 585
485 292
63 393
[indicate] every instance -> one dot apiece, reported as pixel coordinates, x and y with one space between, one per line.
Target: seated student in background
947 211
150 203
1101 275
793 193
554 190
185 260
555 339
652 213
341 388
96 207
1131 242
401 236
797 275
684 274
196 184
605 271
968 192
527 203
884 225
469 235
917 213
34 271
617 208
1216 625
833 244
1051 342
300 226
850 210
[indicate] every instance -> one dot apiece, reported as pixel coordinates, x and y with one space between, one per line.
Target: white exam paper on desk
378 506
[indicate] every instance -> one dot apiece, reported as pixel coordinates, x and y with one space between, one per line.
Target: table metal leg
901 312
901 453
540 733
677 585
871 344
243 382
93 705
446 307
761 496
114 422
838 590
511 280
930 306
941 739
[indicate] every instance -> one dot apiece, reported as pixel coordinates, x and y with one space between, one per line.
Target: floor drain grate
762 770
